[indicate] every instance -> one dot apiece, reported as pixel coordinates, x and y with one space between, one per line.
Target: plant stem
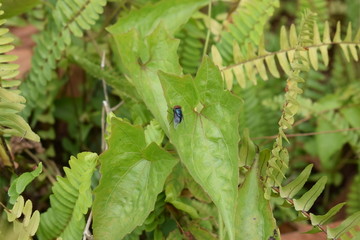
221 228
208 31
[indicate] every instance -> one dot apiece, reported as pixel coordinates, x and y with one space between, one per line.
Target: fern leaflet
70 200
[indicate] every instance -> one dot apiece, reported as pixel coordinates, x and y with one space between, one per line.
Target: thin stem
282 51
306 214
221 227
308 134
37 160
87 233
208 31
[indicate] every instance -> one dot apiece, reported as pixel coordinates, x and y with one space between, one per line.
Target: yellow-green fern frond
245 26
70 200
25 221
259 62
11 103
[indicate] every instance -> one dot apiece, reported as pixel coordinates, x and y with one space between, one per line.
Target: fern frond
353 198
27 227
70 200
320 7
259 62
191 46
11 103
278 163
247 24
70 17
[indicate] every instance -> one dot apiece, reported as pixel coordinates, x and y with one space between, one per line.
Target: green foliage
278 163
320 220
19 184
70 200
25 221
69 18
11 103
16 7
144 191
308 199
191 46
146 20
346 225
255 220
134 173
206 146
247 67
354 196
248 22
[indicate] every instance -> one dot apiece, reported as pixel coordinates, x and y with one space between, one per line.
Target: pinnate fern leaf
70 200
354 196
25 221
11 103
70 17
257 62
247 26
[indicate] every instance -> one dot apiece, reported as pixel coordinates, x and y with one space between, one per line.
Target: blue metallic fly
178 115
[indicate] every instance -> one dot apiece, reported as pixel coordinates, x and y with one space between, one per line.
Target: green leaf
154 133
70 200
264 157
291 189
172 14
141 59
183 204
133 174
345 226
16 210
254 217
307 200
207 139
322 219
200 233
16 7
247 150
328 144
20 183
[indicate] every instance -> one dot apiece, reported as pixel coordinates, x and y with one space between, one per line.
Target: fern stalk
278 163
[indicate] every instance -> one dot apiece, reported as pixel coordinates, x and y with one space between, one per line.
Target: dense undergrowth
182 119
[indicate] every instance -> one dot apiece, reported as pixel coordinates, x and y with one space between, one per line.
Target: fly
178 115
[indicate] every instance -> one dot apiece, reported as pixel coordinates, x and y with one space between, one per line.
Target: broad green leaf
175 183
247 150
352 115
346 225
328 144
171 14
307 200
133 174
154 133
254 217
20 183
295 186
322 219
196 190
141 59
206 140
16 7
